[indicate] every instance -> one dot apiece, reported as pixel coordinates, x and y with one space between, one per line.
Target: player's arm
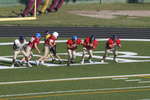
72 46
118 42
119 45
51 43
91 44
110 45
16 45
69 46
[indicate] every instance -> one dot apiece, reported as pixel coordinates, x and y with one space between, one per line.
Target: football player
19 48
112 44
89 44
29 9
32 44
50 47
55 5
71 48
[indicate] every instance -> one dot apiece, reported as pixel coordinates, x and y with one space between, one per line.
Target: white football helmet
55 34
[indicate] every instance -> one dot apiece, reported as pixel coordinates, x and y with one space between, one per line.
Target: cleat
53 60
71 62
21 63
46 12
102 61
37 63
90 61
60 62
42 62
82 62
116 61
39 13
24 65
29 65
12 65
68 63
18 63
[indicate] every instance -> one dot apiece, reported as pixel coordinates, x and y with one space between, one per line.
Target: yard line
119 78
144 82
74 79
76 91
134 80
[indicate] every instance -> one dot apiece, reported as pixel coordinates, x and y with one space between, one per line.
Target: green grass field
63 18
113 88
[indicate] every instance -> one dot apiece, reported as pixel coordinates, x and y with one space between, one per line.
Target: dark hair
21 38
114 37
46 32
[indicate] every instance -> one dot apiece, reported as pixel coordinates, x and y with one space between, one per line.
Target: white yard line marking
144 82
119 78
74 91
134 80
74 79
9 67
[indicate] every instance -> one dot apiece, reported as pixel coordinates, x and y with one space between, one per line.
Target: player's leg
46 53
53 50
26 58
69 56
16 52
28 8
105 54
44 7
90 53
28 53
114 54
83 55
52 6
59 5
73 56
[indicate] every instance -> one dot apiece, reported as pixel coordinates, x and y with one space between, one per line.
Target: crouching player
19 48
71 48
50 47
89 44
33 44
112 44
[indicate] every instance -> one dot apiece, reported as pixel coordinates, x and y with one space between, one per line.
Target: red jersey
51 39
34 41
112 42
73 44
89 45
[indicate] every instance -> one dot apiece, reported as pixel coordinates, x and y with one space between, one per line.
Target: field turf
113 88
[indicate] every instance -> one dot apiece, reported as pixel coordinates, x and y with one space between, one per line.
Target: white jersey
18 45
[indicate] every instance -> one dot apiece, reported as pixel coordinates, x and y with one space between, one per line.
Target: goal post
7 7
